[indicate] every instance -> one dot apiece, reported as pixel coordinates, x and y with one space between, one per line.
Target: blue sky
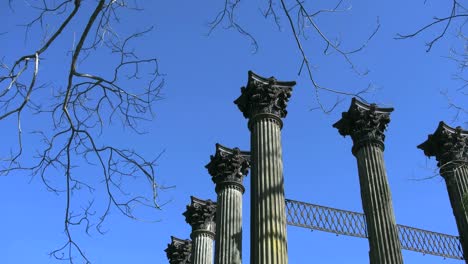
203 75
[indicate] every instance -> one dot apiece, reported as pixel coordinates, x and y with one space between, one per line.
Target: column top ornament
449 145
264 96
364 123
200 214
228 166
179 251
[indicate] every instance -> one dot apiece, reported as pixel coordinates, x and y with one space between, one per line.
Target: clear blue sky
203 77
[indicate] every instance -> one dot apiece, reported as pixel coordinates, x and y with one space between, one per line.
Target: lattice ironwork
429 242
350 223
325 219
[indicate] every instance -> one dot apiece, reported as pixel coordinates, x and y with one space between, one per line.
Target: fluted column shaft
456 179
200 215
366 125
268 213
263 101
202 246
228 168
385 247
228 248
450 147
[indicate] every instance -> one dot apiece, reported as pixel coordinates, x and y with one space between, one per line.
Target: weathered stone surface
263 101
366 125
228 168
268 212
202 250
450 147
179 251
384 244
264 96
200 215
456 180
228 242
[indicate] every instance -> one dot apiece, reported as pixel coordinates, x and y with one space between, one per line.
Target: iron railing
350 223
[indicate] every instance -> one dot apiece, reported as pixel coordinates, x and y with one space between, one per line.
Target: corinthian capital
364 123
200 214
264 96
179 251
228 166
449 145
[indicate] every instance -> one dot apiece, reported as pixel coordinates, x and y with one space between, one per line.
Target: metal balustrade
317 217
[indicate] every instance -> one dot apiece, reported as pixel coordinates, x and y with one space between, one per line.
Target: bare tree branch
456 19
79 113
457 12
300 19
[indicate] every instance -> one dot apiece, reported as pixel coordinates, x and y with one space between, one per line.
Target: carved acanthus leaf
200 214
228 165
364 122
179 251
264 95
449 145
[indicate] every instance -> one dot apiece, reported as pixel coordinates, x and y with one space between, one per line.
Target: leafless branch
461 112
228 13
456 19
300 19
305 18
457 11
79 113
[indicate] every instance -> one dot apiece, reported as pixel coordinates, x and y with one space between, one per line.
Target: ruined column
200 215
263 101
179 251
228 168
366 125
450 147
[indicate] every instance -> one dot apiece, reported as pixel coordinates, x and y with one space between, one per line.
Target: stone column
263 101
179 251
200 215
366 125
228 168
450 147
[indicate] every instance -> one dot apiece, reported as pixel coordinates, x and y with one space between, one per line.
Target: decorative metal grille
325 219
349 223
429 242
